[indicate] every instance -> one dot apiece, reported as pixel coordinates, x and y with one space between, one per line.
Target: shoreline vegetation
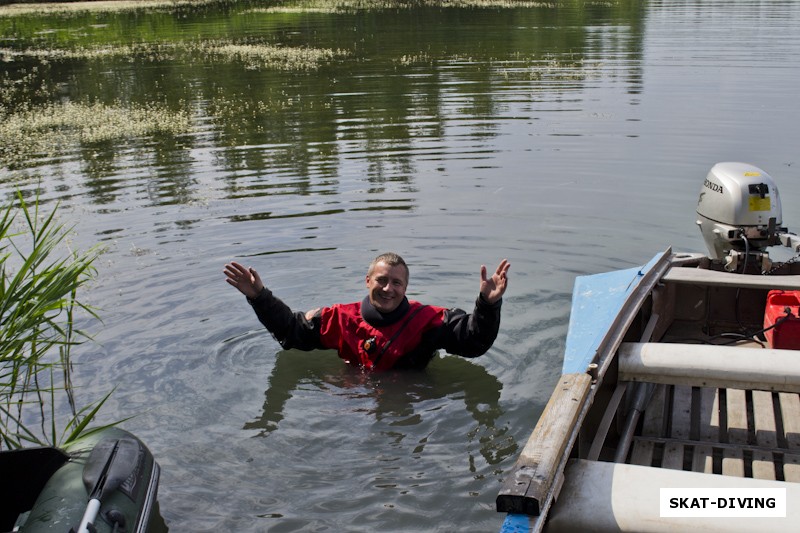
299 6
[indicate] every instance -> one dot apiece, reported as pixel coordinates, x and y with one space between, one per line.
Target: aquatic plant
256 56
80 52
414 59
345 6
39 280
329 6
551 69
44 131
97 6
253 56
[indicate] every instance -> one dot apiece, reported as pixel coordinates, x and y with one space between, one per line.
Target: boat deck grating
731 432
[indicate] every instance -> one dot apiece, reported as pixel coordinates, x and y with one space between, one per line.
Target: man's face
387 286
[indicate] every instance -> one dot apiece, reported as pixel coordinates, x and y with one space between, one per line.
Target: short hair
390 258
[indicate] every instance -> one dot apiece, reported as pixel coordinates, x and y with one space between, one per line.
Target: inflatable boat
104 482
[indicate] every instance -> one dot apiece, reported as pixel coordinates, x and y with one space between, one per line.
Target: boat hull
62 501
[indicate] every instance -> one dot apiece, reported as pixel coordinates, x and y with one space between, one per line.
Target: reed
39 280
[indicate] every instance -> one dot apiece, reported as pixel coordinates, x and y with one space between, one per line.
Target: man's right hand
246 280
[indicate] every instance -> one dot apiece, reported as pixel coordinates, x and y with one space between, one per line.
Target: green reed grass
39 280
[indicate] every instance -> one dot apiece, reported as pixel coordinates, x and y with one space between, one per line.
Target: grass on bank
39 280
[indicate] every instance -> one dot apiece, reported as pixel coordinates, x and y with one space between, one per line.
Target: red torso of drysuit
376 348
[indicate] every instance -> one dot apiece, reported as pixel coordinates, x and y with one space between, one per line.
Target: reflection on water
571 137
398 399
414 86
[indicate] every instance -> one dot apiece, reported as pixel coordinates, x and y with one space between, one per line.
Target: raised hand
493 288
246 280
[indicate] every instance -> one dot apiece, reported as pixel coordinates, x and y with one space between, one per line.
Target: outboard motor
739 214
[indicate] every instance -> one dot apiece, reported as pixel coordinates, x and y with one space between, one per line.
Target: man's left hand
492 289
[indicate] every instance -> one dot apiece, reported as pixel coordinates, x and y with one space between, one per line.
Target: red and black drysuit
408 337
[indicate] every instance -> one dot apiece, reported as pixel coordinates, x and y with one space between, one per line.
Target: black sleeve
290 329
471 335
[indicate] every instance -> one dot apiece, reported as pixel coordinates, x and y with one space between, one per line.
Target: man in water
385 330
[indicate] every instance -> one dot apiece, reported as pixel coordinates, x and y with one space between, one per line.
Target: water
571 140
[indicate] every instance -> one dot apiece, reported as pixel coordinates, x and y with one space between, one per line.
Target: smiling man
385 330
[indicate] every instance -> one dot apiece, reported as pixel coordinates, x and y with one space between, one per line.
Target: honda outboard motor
739 214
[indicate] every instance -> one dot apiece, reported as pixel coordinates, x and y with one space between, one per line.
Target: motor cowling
739 210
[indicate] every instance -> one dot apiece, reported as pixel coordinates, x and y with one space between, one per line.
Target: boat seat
601 496
701 365
700 276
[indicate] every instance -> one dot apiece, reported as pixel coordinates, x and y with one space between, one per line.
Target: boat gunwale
636 293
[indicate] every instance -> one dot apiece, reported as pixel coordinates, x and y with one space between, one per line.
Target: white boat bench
704 365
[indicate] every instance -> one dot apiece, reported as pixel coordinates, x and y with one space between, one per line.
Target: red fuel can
786 335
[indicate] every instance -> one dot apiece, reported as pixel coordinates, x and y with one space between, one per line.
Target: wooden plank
600 496
790 409
791 467
766 435
710 366
540 463
790 416
736 415
699 276
706 417
680 424
652 424
703 459
642 453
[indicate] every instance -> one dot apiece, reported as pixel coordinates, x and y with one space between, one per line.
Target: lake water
571 138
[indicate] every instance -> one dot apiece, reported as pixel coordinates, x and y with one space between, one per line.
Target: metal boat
678 407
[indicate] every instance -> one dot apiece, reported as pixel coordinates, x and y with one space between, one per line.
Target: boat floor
731 432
